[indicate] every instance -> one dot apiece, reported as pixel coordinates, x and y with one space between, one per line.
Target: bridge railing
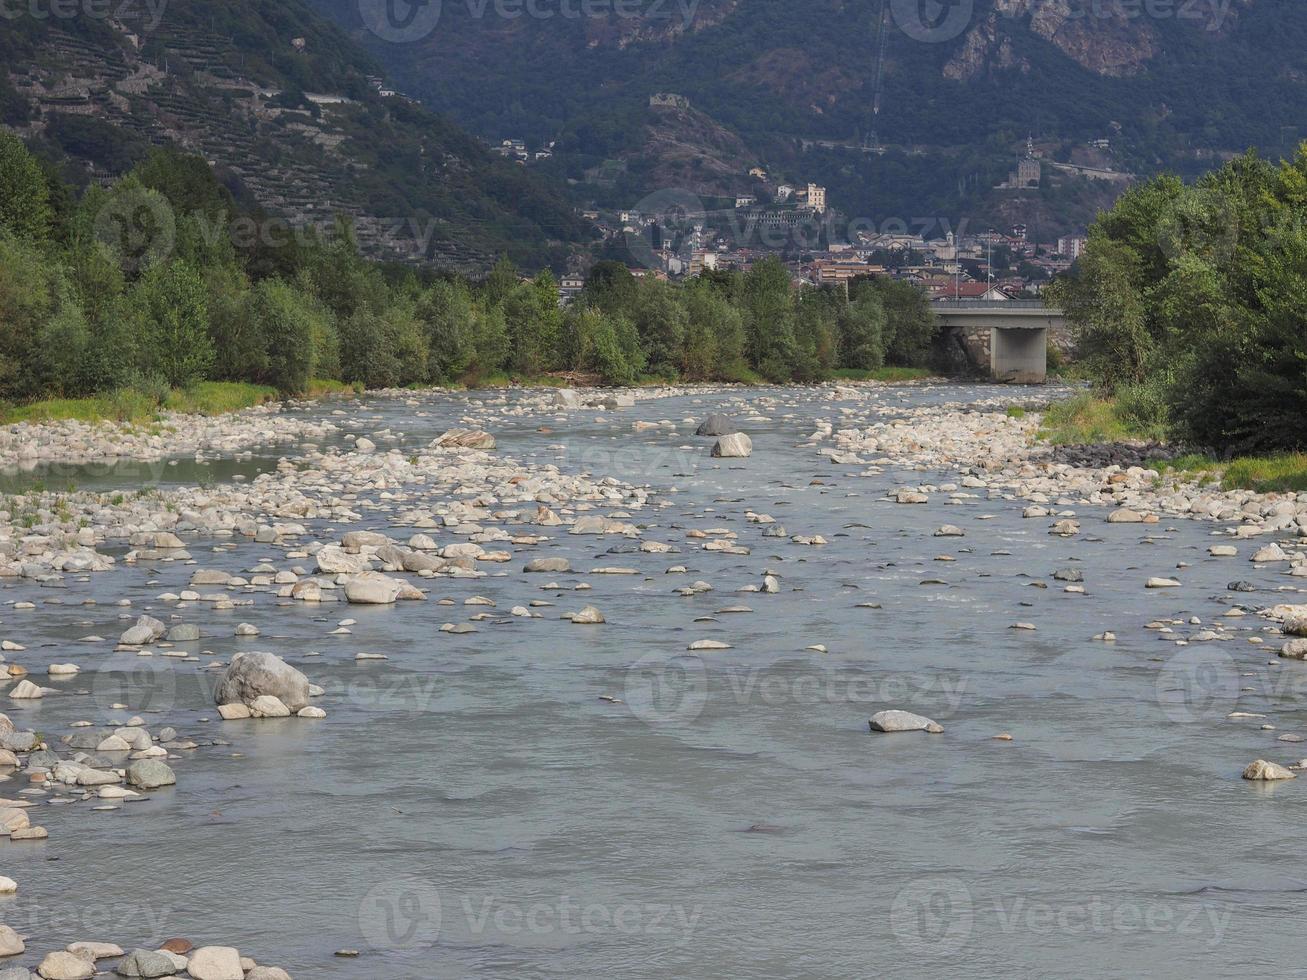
991 304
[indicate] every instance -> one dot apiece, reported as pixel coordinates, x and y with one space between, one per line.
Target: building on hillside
817 198
784 192
1071 248
570 288
668 100
830 272
745 201
701 262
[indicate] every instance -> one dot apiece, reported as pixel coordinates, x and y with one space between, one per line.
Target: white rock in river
252 674
268 706
950 531
734 446
364 445
11 944
25 690
62 965
1294 649
1266 771
147 630
1163 583
216 963
1271 553
372 588
903 721
589 616
7 885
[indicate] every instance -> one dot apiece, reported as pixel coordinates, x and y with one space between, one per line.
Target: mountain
897 114
292 113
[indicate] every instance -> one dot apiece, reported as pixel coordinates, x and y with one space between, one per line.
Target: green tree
169 311
24 194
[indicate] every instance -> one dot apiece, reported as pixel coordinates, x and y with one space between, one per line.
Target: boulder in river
372 588
717 425
735 446
147 630
150 774
466 439
903 721
253 674
1261 770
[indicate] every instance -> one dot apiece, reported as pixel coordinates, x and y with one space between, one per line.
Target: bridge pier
1006 339
1019 356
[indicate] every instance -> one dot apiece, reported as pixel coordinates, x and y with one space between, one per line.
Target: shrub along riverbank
1090 419
1188 307
164 280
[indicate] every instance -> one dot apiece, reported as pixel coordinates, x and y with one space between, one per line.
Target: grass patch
1268 474
319 387
1015 412
129 405
1285 473
118 406
882 374
1088 419
218 397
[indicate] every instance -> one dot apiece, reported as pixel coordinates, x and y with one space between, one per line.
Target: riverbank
1087 420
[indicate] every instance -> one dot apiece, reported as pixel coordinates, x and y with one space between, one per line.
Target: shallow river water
539 799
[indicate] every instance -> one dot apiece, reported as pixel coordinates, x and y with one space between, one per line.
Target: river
541 799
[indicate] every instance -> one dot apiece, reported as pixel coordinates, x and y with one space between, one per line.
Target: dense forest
161 280
1190 304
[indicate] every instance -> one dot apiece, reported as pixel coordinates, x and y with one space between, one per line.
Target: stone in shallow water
737 446
145 963
1262 770
65 966
150 774
903 721
216 963
717 425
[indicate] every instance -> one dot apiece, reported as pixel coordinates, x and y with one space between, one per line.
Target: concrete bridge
1007 338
